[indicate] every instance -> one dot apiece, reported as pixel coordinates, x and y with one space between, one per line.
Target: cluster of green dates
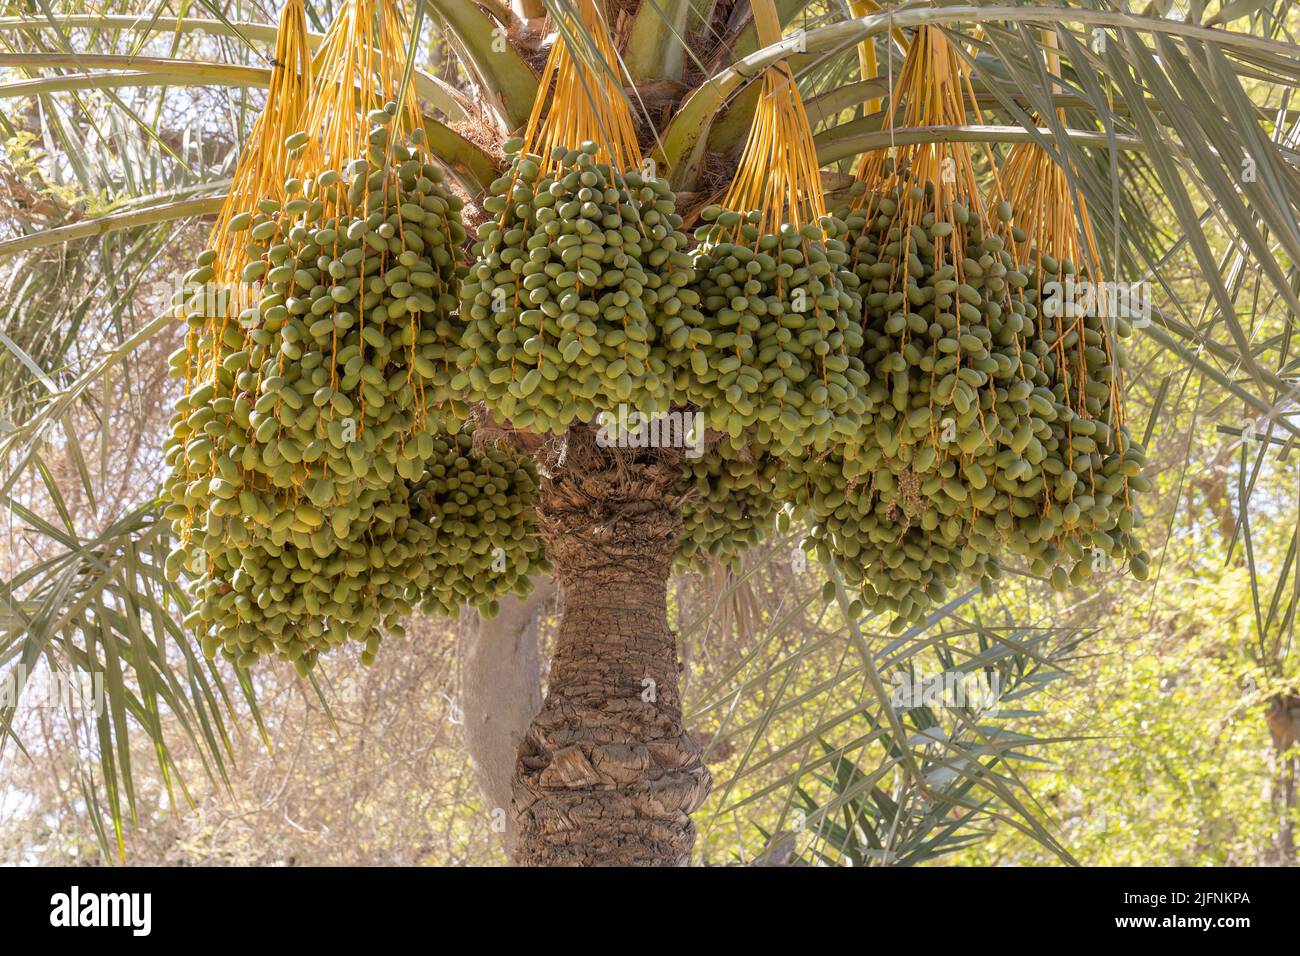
731 503
313 482
321 388
573 278
992 428
773 344
480 505
897 384
463 533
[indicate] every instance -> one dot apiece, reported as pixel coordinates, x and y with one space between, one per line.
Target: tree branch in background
501 692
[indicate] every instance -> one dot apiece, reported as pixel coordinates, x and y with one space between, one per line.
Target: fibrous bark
606 774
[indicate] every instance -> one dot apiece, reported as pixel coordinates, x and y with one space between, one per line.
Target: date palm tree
1175 126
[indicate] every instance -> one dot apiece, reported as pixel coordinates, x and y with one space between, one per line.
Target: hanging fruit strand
360 68
990 434
359 109
778 172
1059 243
257 175
934 89
223 292
867 66
770 356
583 262
587 103
317 499
778 175
920 185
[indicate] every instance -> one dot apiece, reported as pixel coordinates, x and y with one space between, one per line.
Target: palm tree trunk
606 774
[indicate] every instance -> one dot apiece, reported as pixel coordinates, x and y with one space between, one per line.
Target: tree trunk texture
1284 838
1283 717
607 775
501 692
